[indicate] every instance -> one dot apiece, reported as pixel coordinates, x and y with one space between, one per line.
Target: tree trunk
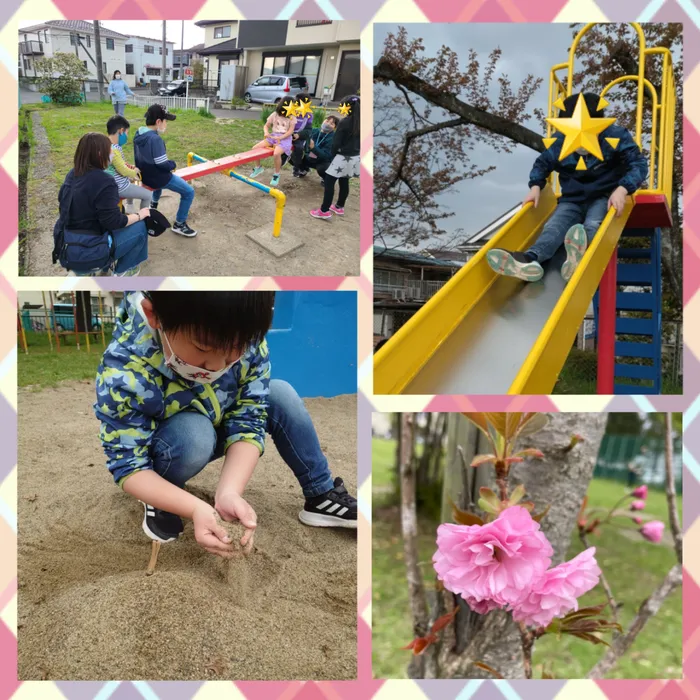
83 311
560 480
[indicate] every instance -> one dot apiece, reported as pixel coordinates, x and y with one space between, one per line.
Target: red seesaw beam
227 163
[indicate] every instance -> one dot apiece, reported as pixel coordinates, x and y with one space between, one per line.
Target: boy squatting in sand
186 380
586 196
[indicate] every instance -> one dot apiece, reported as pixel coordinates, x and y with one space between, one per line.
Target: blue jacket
151 159
118 90
322 145
624 165
136 390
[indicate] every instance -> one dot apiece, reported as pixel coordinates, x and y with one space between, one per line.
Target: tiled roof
407 257
75 25
148 38
229 46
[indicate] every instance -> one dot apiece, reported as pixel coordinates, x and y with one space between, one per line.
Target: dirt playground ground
223 212
87 610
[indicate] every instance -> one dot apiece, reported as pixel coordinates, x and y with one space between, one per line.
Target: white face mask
191 372
161 129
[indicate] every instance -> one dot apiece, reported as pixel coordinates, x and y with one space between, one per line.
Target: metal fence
191 103
411 289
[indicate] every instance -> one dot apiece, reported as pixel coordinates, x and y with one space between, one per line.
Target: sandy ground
87 610
223 212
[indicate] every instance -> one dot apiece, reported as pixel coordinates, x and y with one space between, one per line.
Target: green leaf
530 452
490 497
479 420
480 460
532 423
517 495
464 517
487 507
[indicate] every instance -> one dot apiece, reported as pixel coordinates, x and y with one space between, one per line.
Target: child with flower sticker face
278 130
187 380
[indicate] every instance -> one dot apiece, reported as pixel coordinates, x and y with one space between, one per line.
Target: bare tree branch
648 609
385 70
671 492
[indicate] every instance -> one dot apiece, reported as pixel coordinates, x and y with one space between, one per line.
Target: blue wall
313 342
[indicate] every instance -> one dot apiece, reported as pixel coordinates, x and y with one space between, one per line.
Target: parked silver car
275 87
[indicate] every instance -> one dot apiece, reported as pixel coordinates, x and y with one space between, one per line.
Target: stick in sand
155 548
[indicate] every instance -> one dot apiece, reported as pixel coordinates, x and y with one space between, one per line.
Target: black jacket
344 143
95 205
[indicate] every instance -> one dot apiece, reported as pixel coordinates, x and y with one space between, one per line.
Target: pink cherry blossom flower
637 505
637 520
641 492
556 593
494 562
481 606
652 531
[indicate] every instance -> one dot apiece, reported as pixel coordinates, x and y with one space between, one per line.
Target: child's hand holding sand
231 507
209 533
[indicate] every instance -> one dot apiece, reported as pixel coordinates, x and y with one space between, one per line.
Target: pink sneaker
337 210
318 214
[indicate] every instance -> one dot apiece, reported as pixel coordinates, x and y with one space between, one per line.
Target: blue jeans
119 108
566 214
131 246
186 442
186 192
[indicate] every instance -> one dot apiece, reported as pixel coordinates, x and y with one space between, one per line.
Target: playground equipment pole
75 321
607 315
102 319
87 325
55 329
23 335
46 320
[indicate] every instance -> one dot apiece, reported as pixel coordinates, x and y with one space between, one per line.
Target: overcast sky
149 28
527 48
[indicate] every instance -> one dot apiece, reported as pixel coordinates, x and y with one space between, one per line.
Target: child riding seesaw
278 130
157 170
187 380
586 194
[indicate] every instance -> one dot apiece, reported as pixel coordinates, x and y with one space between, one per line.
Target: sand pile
88 611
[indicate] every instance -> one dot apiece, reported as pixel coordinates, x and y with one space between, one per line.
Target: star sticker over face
304 108
290 110
344 109
580 130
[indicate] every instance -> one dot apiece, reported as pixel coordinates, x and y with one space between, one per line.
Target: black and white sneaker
160 525
183 229
335 508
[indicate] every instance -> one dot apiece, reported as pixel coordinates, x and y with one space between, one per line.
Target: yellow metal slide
484 333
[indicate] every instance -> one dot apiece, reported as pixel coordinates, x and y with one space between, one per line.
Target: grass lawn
633 567
190 132
44 368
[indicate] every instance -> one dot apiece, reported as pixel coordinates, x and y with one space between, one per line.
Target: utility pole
181 74
165 49
77 55
98 56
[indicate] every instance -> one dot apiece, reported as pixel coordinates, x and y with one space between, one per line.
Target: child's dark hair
116 123
591 100
283 104
334 119
224 321
354 116
303 97
114 75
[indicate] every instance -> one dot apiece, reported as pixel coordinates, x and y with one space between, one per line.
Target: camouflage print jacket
136 390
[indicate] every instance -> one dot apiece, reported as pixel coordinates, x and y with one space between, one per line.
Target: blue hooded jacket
623 166
151 159
136 390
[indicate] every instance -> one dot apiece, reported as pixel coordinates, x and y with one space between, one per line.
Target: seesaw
276 245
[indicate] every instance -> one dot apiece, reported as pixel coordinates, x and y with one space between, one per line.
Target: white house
70 36
144 60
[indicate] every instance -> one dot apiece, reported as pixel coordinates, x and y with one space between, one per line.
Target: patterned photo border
365 11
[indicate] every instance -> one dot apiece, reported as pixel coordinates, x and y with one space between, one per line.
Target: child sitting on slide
187 380
586 197
157 170
126 176
278 130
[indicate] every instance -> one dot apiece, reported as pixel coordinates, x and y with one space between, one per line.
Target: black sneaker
160 525
154 205
303 173
335 508
183 229
296 173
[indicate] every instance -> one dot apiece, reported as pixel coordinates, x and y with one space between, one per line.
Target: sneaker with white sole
181 228
275 180
575 244
257 172
514 264
131 272
319 214
160 525
335 508
337 210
